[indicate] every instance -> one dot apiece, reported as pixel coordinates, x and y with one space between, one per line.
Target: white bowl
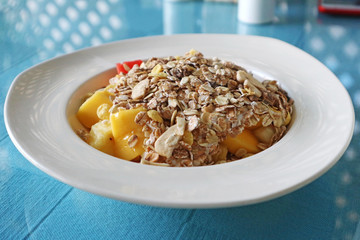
40 116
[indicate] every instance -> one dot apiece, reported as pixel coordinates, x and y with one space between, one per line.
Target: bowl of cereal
224 125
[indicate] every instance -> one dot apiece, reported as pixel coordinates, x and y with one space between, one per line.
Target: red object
130 64
120 68
338 8
126 66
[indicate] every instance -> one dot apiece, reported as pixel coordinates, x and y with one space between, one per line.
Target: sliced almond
140 89
167 142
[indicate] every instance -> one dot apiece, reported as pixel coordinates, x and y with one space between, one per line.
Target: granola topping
192 104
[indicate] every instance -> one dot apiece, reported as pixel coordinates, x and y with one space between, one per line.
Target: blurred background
32 31
38 30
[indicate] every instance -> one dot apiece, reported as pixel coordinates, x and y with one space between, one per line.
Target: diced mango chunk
87 113
123 122
123 151
245 139
123 127
101 137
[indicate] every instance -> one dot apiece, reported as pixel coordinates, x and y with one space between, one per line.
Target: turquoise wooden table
36 206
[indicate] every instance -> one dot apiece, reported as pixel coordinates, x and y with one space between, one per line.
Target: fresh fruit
87 113
125 132
245 140
125 67
101 137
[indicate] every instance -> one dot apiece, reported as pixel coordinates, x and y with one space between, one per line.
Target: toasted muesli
188 111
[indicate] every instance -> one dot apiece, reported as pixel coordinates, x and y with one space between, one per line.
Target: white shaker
256 11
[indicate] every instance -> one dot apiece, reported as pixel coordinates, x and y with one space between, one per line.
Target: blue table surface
36 206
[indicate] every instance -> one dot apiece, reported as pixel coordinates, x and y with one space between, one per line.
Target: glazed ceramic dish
40 117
